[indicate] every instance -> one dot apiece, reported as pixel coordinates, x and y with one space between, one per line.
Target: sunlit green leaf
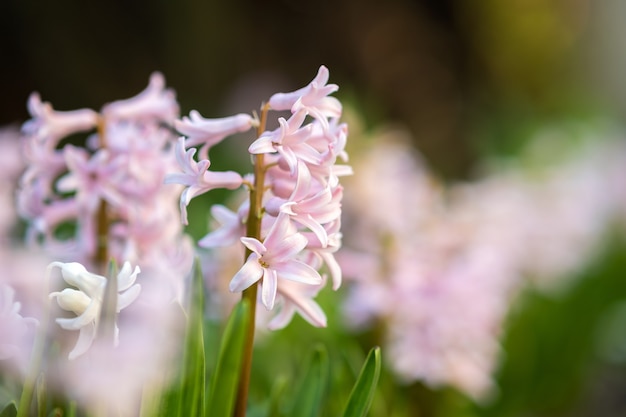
365 386
10 410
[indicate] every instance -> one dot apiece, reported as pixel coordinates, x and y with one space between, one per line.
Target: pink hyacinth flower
298 298
274 258
313 98
290 141
49 126
308 206
209 132
154 102
197 177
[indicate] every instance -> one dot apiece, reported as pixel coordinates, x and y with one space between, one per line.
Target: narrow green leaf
10 410
365 386
276 396
313 384
186 396
194 368
225 379
41 395
71 409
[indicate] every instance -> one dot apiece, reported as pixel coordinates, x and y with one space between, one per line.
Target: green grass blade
194 367
10 410
365 386
276 396
186 396
225 379
313 384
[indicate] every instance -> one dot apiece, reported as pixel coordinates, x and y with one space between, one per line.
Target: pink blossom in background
123 162
11 167
440 267
16 331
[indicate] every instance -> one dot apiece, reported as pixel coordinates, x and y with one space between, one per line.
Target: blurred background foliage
467 78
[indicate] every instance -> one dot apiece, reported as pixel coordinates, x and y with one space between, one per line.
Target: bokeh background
467 79
457 73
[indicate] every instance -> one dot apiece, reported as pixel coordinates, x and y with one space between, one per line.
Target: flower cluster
105 199
113 186
295 196
439 267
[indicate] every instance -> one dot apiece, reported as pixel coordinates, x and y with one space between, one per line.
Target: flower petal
85 339
250 272
268 289
299 272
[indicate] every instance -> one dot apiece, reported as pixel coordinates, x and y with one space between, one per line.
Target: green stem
253 229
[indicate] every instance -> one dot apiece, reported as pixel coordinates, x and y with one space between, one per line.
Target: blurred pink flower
197 178
48 126
155 102
14 328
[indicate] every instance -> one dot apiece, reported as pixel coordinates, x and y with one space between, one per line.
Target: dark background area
457 73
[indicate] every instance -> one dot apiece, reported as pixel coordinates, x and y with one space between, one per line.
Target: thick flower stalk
289 225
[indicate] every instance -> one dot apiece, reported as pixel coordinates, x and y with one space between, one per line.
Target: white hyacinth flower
86 301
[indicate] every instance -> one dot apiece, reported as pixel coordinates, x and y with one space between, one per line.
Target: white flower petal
85 339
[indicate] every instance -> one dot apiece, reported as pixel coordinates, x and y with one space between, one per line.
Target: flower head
274 258
313 99
197 177
209 132
86 301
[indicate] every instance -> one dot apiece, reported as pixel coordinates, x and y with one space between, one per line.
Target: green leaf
365 386
10 410
276 396
194 368
186 396
41 395
312 388
225 379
